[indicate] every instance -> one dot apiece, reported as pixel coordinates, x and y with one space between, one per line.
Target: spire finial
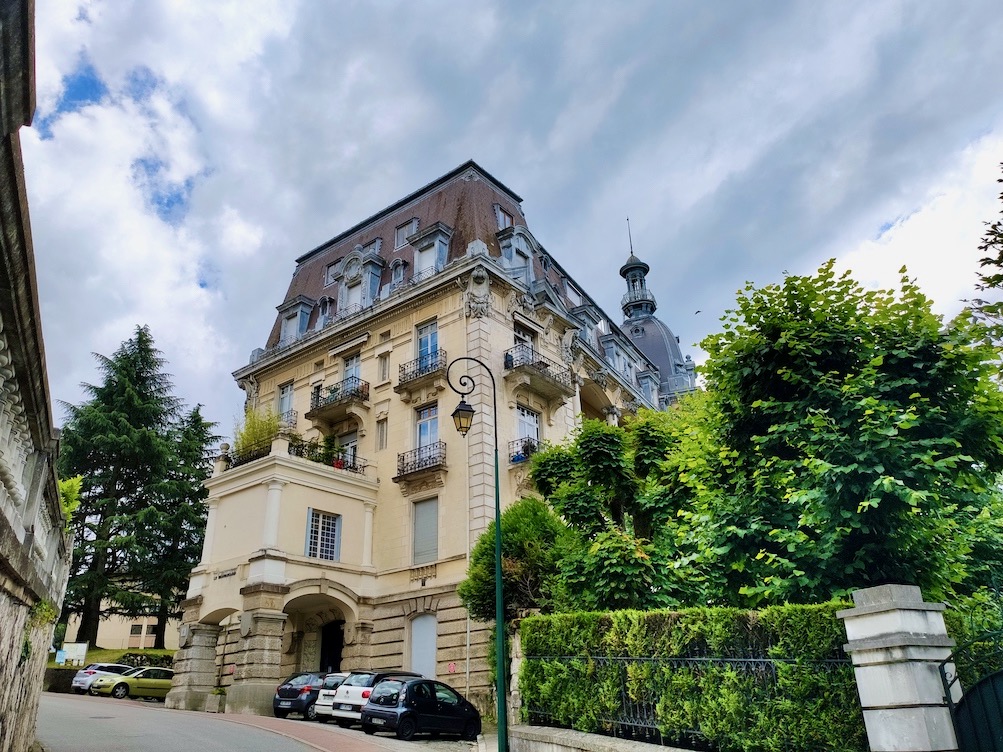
629 238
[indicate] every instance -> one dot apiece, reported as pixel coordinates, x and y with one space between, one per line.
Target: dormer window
397 273
295 315
331 273
504 218
403 232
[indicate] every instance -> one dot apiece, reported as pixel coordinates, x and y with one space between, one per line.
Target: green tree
990 280
848 438
599 483
169 532
124 441
532 541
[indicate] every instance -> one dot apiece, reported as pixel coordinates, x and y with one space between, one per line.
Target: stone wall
20 675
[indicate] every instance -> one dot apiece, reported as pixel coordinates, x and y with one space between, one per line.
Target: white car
325 698
353 694
83 679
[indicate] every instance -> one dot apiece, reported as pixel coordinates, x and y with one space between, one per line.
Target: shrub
774 679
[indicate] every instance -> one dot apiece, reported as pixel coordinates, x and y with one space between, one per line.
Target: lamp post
463 418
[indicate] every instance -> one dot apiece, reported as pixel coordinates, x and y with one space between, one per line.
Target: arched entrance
315 633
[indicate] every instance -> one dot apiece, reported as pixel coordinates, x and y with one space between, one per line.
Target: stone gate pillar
896 642
258 660
195 667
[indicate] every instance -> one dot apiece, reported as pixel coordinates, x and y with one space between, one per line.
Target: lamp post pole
463 417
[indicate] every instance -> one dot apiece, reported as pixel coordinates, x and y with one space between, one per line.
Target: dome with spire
652 337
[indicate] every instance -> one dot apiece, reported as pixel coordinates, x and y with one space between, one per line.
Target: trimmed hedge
718 678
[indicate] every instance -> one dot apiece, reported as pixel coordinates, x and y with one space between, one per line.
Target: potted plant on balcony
332 453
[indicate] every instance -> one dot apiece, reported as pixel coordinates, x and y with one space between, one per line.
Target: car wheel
321 718
470 731
281 713
344 724
91 692
78 691
368 729
120 691
310 714
406 728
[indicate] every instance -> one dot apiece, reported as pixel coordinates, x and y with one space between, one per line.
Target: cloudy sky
183 154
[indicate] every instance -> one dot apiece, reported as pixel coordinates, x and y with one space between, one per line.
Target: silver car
83 679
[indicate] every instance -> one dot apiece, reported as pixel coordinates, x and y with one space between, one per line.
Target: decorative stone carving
479 293
429 482
600 377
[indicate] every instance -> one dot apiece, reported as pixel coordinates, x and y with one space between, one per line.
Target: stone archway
322 628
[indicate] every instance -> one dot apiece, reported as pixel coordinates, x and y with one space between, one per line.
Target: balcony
421 467
428 370
288 419
336 402
314 452
524 366
520 450
636 296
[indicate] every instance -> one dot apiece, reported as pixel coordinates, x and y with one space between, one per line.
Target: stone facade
315 564
34 550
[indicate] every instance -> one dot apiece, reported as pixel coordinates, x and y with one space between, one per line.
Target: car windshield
332 682
359 680
133 671
386 692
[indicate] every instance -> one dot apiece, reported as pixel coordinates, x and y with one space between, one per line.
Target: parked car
298 694
84 677
145 681
354 692
411 706
325 699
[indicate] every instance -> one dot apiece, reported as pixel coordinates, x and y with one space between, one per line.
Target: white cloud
741 142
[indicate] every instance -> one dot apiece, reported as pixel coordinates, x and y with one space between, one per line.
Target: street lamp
463 418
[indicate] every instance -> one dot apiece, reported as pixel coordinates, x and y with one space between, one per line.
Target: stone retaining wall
541 739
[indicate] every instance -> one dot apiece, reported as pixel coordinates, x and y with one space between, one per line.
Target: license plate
345 706
285 704
377 721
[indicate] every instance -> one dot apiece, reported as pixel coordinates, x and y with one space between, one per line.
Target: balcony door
428 345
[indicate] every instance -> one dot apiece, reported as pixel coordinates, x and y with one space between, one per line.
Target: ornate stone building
350 557
34 550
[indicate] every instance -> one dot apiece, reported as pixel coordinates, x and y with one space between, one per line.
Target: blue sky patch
82 87
168 199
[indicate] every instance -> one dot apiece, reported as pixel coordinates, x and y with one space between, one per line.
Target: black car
298 694
410 706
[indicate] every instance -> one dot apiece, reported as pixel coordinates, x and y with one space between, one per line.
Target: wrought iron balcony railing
423 458
249 453
421 276
316 453
520 450
526 355
426 365
352 388
288 419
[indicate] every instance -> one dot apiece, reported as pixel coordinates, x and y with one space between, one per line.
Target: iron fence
315 452
630 697
520 450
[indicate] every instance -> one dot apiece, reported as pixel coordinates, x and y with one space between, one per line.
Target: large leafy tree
130 446
849 438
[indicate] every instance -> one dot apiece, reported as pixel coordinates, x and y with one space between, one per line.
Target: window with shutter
426 531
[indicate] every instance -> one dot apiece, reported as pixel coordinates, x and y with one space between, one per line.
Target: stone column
270 526
896 642
195 667
210 530
258 659
367 534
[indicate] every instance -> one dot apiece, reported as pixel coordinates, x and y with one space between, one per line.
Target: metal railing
635 296
633 687
526 355
423 366
520 450
288 419
249 453
311 450
344 391
423 458
424 274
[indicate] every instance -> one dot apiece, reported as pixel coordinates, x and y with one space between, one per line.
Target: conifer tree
130 443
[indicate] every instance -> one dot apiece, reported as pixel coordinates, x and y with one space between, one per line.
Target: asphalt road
80 723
